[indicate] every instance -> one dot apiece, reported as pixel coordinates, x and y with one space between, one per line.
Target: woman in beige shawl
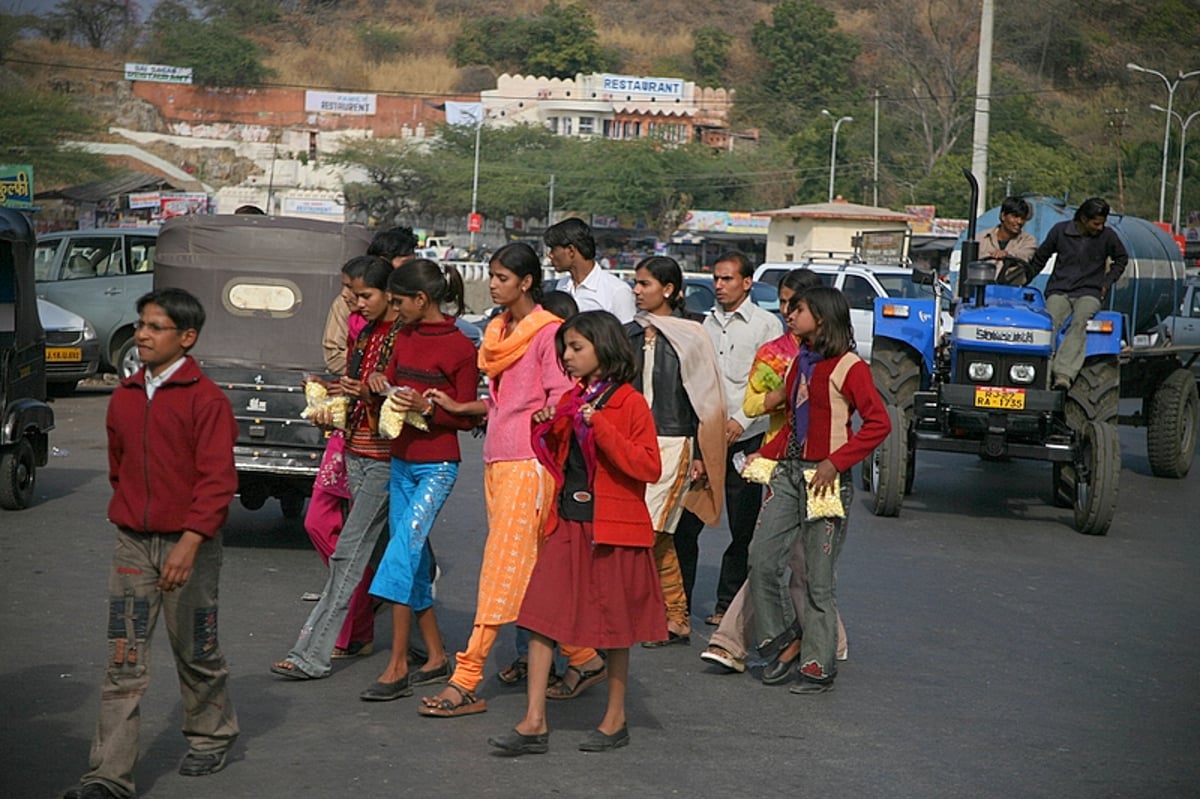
678 374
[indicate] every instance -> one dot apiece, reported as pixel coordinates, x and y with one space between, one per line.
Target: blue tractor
983 387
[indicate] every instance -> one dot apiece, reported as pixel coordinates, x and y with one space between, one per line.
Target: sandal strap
465 697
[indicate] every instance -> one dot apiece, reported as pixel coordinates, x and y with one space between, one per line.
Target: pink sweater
533 382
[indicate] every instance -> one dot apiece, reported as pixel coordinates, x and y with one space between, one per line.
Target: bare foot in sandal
452 701
514 672
576 680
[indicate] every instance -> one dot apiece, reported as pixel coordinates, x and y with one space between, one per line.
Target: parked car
72 349
99 274
862 284
1185 325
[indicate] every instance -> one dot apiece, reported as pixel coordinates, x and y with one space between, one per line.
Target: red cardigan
830 408
627 458
170 459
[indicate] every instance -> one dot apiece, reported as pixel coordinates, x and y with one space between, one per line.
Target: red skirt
604 597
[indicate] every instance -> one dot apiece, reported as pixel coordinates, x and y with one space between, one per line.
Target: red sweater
627 458
830 409
434 355
170 459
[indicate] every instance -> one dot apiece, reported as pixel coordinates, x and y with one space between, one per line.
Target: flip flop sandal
288 669
356 649
563 690
467 705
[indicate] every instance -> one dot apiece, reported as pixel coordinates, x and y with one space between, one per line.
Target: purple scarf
571 406
806 361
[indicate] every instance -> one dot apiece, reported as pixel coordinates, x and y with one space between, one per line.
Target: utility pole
983 92
875 157
1117 121
550 209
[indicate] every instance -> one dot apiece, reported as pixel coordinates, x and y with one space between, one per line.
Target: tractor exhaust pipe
970 247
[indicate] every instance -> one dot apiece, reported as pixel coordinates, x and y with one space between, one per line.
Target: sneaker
198 764
721 657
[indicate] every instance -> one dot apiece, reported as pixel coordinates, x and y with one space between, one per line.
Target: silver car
72 348
99 274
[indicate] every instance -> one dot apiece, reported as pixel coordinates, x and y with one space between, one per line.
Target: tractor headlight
1022 373
980 371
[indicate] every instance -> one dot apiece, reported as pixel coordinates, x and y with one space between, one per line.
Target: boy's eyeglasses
152 327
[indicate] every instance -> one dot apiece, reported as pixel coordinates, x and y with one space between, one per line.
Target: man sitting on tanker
1009 245
1091 258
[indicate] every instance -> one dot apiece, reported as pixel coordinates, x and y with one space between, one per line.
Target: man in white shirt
737 328
572 249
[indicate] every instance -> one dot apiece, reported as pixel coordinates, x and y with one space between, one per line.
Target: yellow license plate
64 354
1007 399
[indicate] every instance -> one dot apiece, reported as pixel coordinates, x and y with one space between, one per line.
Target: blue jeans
368 480
781 521
418 492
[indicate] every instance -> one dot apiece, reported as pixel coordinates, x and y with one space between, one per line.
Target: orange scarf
498 351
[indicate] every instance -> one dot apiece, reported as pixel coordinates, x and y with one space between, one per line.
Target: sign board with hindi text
16 185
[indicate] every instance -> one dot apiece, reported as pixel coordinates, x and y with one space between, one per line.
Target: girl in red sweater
815 455
595 583
430 353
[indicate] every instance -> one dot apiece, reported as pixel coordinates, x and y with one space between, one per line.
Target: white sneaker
724 659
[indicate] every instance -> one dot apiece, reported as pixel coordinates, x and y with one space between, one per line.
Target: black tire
897 372
1171 426
1099 472
910 466
1095 394
887 465
18 476
127 361
292 505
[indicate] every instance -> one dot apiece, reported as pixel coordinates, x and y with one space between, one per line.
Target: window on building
587 126
790 240
787 256
567 126
637 130
552 123
609 129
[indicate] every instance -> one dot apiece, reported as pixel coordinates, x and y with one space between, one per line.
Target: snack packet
317 396
392 421
758 471
828 506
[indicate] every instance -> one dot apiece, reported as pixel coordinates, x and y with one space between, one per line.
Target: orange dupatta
497 351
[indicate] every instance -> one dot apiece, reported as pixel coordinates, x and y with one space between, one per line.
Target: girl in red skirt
595 582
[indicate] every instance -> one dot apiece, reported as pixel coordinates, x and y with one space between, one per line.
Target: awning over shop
117 186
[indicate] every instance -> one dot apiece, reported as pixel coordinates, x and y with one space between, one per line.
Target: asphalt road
993 652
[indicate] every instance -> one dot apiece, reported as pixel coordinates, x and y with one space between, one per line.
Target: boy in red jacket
170 450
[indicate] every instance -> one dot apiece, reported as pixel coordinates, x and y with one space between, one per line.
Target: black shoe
387 691
671 640
440 674
93 790
778 671
806 687
514 743
601 742
198 764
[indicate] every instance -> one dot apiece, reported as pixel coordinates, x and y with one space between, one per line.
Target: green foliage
710 54
559 43
379 43
217 55
33 129
807 64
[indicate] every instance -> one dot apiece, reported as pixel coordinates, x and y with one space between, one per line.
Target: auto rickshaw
27 419
266 284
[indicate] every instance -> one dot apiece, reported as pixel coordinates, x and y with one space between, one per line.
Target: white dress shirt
602 291
736 336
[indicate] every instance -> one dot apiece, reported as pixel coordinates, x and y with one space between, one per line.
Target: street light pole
475 177
833 147
1172 85
1183 125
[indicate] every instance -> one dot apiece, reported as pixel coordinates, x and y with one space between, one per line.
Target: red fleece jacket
627 458
170 459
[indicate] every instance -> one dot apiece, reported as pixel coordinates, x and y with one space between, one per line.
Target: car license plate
64 354
1007 399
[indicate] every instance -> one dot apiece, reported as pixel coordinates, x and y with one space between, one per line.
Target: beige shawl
702 383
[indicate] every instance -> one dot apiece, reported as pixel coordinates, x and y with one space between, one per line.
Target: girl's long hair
609 339
520 259
440 284
835 332
667 272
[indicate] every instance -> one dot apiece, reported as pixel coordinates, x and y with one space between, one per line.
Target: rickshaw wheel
17 476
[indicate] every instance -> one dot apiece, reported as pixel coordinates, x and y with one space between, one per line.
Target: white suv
861 283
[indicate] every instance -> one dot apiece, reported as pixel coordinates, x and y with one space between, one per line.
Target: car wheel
127 360
17 476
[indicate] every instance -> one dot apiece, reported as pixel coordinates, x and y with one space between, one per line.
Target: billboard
16 185
158 73
339 103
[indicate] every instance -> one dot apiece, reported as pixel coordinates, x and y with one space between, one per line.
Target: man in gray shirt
737 328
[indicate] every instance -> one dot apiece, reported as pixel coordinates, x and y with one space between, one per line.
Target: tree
99 24
35 128
242 14
806 65
560 43
217 55
710 54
